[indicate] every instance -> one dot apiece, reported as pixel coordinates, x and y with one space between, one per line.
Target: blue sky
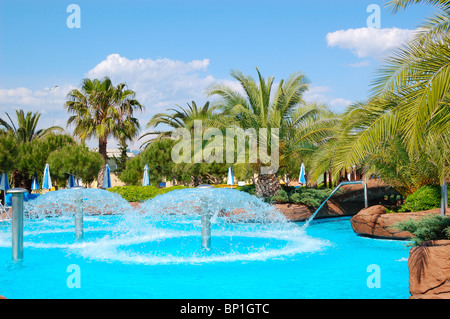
170 51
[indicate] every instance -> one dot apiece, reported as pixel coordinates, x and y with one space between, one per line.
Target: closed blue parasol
230 178
71 182
35 183
301 178
106 178
146 179
47 181
4 185
4 182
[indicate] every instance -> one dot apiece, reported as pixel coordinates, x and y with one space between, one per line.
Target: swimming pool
327 261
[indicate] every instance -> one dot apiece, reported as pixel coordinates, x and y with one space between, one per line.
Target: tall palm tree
422 70
418 76
410 97
25 130
103 110
259 106
183 117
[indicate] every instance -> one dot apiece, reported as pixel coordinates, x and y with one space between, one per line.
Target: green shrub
311 197
141 193
425 198
280 197
251 189
429 227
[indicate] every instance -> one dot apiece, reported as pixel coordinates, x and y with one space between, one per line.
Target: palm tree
436 25
183 117
25 131
127 126
258 106
410 99
418 76
102 110
422 70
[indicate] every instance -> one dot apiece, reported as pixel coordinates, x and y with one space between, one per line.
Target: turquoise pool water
165 261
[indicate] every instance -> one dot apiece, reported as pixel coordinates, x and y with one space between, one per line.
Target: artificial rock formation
429 270
374 222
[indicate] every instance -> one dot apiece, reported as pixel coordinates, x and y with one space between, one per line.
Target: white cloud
339 104
369 42
320 94
316 94
36 101
159 83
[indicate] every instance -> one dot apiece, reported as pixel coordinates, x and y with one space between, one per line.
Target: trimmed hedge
141 193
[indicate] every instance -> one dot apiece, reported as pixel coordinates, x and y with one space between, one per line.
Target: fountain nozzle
206 220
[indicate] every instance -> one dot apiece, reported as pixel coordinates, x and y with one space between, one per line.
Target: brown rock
135 205
294 212
332 208
364 223
374 222
429 270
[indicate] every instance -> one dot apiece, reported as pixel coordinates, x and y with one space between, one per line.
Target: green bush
141 193
311 197
429 227
281 196
425 198
248 189
77 160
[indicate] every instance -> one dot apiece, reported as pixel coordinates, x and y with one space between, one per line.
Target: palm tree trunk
330 180
102 143
267 185
20 179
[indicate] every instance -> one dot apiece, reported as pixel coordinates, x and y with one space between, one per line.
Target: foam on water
64 202
165 229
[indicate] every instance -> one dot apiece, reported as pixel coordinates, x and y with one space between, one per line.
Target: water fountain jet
79 233
205 219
